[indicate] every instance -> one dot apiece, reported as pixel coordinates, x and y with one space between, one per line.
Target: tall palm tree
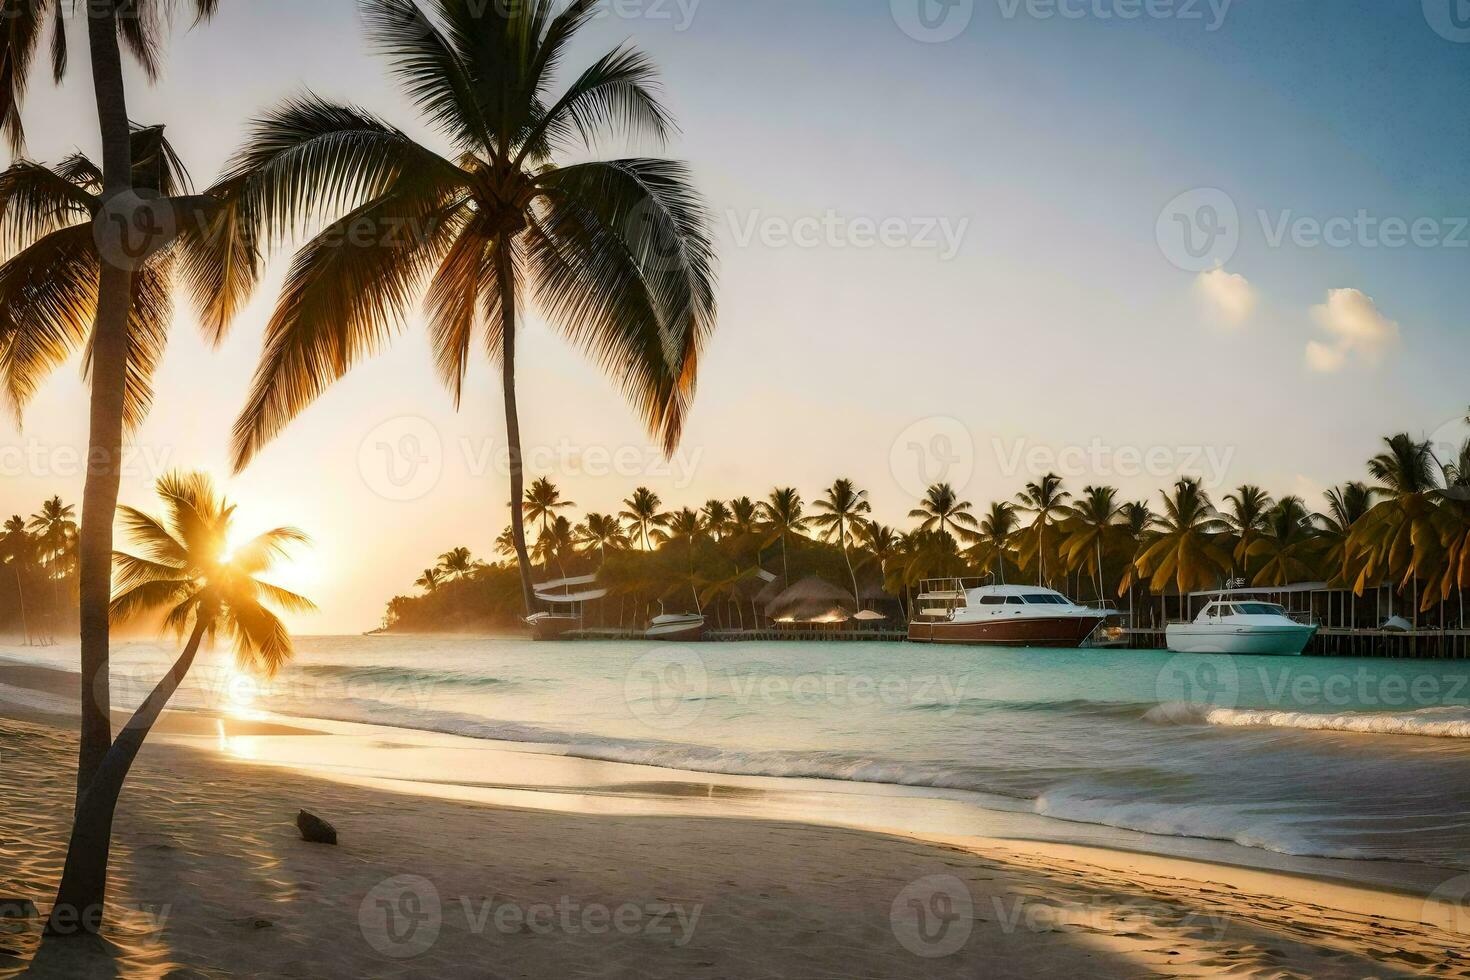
17 548
1453 518
543 500
602 531
687 528
430 580
1184 553
618 253
783 515
993 544
745 516
1092 530
716 517
644 513
1047 501
72 282
457 563
1248 515
844 508
1140 529
555 543
205 592
1392 539
943 512
1288 547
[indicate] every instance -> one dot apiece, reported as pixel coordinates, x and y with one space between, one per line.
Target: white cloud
1229 294
1355 329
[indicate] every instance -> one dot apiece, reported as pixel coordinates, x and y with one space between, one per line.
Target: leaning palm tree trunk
84 879
505 273
20 594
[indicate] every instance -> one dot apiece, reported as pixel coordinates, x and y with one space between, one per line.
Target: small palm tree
843 510
18 549
458 563
716 517
783 514
644 513
618 254
745 516
1048 502
55 528
1184 552
993 543
542 502
602 531
1346 506
1394 538
1093 530
205 591
943 512
1248 515
430 580
556 543
1288 548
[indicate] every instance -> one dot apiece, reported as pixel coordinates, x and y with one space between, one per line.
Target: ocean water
1362 759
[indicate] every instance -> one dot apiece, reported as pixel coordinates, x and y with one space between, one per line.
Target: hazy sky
1115 238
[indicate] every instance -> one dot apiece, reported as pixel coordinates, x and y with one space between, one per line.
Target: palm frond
615 97
262 551
48 294
454 305
20 34
283 599
130 571
219 258
262 643
148 597
149 319
158 542
36 201
343 300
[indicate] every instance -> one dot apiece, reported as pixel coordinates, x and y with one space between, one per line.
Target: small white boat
1259 628
676 628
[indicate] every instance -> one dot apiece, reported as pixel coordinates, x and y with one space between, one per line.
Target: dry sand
211 879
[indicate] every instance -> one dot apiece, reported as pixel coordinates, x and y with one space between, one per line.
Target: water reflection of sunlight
239 746
241 692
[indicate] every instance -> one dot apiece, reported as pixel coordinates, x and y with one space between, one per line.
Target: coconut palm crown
617 254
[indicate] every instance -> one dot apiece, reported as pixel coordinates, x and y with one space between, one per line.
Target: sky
969 240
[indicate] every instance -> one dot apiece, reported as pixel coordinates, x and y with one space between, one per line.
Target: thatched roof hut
812 600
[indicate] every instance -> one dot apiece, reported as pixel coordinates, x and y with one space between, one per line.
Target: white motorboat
959 611
1259 628
676 628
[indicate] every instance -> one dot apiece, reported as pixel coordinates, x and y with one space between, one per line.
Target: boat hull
1273 641
552 627
1059 632
681 633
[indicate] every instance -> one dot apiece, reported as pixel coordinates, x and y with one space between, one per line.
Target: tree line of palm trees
616 254
38 592
1408 530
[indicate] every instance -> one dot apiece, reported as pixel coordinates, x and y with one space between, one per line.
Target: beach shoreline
202 814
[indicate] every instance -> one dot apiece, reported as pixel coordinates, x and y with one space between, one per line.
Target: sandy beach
211 878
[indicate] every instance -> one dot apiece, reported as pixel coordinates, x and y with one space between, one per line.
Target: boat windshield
1042 599
1258 609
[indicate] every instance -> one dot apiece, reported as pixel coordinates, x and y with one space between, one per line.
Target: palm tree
644 514
55 527
993 544
716 517
555 543
745 516
1288 546
943 512
685 526
1392 538
1093 529
1454 521
68 284
617 253
430 580
204 591
505 543
1139 525
1184 553
602 531
17 547
1346 505
542 502
844 509
782 513
457 563
1249 517
1048 501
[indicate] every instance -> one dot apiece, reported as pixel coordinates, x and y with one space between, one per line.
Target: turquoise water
1366 759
